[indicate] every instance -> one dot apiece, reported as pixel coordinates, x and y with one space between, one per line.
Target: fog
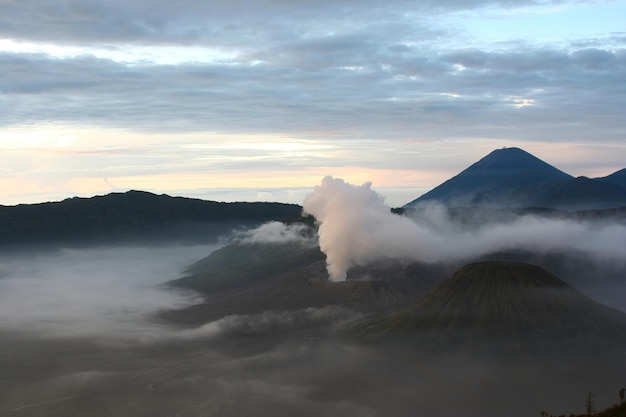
107 292
289 376
80 338
356 228
277 232
81 334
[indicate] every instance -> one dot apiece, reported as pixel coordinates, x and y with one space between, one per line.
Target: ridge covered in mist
512 177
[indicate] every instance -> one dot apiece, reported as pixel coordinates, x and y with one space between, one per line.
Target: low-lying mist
81 337
78 339
356 227
288 376
107 292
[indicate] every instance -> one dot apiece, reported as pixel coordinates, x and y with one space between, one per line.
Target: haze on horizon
260 101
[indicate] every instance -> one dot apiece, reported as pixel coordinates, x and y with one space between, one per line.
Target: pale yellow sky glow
53 162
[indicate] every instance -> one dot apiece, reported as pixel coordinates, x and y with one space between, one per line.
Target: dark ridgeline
513 178
503 307
134 216
616 178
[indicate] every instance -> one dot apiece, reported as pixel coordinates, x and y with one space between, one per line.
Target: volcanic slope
507 307
513 178
251 278
502 178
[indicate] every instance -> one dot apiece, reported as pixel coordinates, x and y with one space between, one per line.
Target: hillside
580 193
253 278
501 178
134 215
509 306
239 264
617 178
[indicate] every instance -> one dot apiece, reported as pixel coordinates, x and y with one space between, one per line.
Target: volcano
509 306
504 177
513 178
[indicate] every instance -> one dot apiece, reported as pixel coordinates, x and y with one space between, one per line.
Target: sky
259 100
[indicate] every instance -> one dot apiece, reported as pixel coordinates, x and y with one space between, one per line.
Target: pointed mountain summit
504 178
509 306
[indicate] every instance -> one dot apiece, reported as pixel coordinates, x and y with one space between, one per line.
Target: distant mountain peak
510 158
500 179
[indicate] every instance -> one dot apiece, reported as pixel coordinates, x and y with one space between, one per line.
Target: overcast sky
258 100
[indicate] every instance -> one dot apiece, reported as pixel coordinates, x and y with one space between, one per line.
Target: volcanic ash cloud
355 226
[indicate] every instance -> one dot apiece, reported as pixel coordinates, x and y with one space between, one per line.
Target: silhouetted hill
616 178
504 306
514 178
135 215
580 193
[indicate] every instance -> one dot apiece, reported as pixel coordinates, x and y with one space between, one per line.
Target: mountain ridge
134 215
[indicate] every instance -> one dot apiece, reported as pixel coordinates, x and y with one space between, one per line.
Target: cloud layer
360 70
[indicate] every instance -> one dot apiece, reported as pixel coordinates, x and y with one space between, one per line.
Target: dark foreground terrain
286 376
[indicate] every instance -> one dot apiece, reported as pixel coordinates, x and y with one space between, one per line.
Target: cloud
314 69
268 323
194 21
106 293
278 232
347 84
110 295
357 228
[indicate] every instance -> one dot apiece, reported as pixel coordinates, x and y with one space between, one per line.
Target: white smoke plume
356 228
355 225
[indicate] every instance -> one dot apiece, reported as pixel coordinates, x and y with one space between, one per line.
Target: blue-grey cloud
353 88
208 22
320 70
